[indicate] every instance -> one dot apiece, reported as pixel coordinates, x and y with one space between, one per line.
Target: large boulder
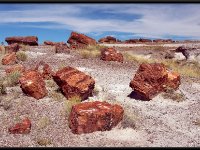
10 58
33 84
89 117
26 40
23 127
151 79
12 48
111 54
74 83
108 39
16 67
62 48
77 40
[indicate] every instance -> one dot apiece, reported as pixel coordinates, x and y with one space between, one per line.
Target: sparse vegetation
92 51
70 102
43 122
21 55
12 78
56 95
44 141
172 94
190 69
24 47
2 87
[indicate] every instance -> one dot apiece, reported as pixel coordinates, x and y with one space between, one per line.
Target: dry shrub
44 141
2 87
43 122
56 95
172 94
92 51
12 79
23 47
22 56
70 102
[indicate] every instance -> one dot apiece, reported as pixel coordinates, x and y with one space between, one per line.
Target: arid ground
163 121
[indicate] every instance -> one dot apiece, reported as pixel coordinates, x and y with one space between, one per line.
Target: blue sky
55 22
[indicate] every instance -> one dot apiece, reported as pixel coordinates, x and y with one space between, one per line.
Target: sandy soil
159 122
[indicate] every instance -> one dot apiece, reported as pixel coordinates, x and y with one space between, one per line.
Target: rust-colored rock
110 54
144 40
62 48
151 79
17 67
54 43
108 39
74 83
33 84
26 40
173 80
46 71
94 116
130 41
10 58
77 40
23 127
12 48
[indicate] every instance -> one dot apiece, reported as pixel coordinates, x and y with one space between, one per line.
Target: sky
55 22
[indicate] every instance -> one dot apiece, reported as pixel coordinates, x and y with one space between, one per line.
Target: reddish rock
46 71
10 58
108 39
26 40
77 40
54 43
21 128
74 83
17 67
149 80
173 80
12 48
33 84
110 54
94 116
62 48
144 40
130 41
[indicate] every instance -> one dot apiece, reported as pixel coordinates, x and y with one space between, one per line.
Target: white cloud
157 20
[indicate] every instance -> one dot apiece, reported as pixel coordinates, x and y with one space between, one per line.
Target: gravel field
160 122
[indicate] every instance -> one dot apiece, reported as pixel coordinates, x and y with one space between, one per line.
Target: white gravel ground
159 122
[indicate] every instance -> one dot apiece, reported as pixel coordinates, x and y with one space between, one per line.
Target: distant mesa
130 41
26 40
78 40
163 41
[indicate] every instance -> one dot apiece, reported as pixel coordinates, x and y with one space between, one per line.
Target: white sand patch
196 86
84 69
34 54
62 56
127 134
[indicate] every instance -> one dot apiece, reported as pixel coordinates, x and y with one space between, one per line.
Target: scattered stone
12 48
62 48
21 128
26 40
130 41
77 40
94 116
108 39
151 79
74 83
17 67
110 54
10 58
144 40
33 84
